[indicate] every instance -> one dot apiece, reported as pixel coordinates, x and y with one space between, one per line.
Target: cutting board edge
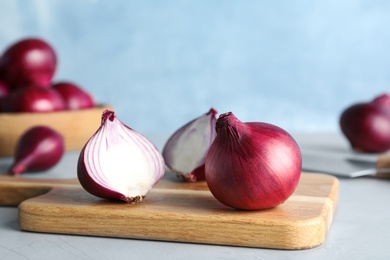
313 231
319 225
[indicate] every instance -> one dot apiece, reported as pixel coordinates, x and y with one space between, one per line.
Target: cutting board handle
14 190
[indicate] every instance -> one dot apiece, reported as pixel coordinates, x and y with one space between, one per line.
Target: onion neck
21 165
228 125
108 114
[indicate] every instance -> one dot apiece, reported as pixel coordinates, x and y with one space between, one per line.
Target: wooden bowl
76 126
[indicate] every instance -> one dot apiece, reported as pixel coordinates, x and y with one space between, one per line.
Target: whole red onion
30 61
253 165
367 126
38 149
74 96
34 99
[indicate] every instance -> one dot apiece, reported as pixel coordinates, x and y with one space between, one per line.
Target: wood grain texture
77 126
188 212
14 190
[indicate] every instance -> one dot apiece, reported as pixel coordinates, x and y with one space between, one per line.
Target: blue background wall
296 64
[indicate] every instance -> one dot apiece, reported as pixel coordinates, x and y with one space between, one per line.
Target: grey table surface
360 228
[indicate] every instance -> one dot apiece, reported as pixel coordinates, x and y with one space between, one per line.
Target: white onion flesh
186 149
121 160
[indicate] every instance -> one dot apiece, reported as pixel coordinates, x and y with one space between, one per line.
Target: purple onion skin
4 89
252 166
85 179
96 189
382 101
91 186
2 104
198 174
367 127
74 96
34 99
39 149
30 61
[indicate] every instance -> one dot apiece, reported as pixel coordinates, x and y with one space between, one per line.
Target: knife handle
383 163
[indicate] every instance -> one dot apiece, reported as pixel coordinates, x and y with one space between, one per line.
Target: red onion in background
119 163
34 99
252 166
367 126
30 61
4 90
39 149
382 101
185 151
74 96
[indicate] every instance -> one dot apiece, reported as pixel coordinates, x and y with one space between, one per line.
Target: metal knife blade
335 164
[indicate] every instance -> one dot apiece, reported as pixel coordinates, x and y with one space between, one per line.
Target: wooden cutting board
175 211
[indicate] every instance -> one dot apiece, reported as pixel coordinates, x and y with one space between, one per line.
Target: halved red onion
119 163
185 151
